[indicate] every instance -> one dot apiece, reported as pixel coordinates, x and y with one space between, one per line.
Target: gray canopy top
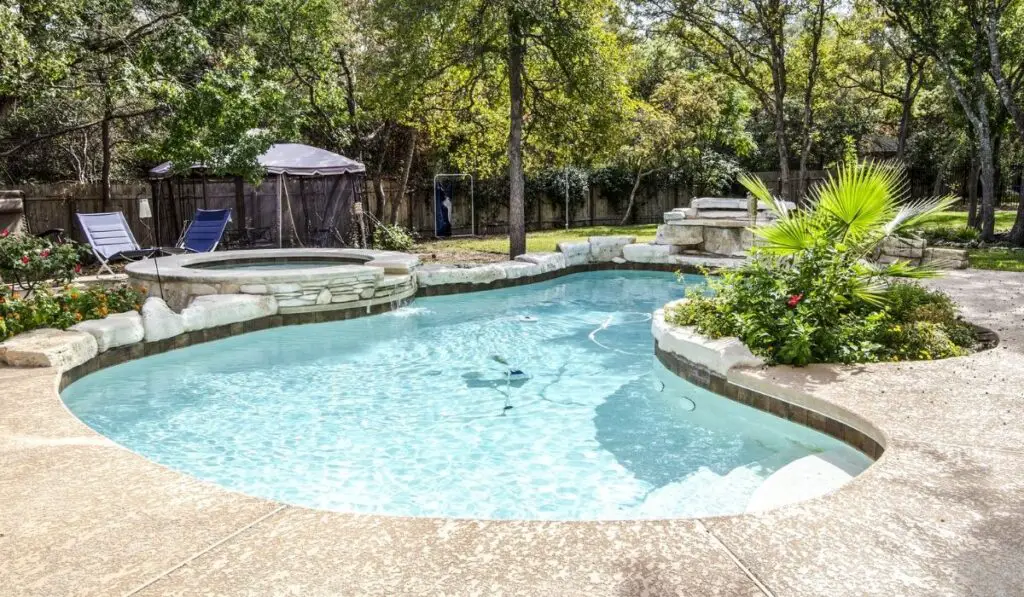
293 159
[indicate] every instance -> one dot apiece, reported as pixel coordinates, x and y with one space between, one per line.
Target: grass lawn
541 241
958 219
1007 260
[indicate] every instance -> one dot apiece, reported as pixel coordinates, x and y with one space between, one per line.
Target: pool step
806 478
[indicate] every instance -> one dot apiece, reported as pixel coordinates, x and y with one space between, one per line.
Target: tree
541 53
952 34
746 41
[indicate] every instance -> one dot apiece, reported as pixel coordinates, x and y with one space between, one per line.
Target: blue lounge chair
205 231
110 238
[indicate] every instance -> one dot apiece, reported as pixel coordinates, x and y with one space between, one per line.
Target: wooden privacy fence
54 205
416 210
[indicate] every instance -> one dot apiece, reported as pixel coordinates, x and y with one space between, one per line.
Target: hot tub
300 279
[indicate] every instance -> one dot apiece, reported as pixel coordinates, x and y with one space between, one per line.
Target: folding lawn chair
205 231
110 238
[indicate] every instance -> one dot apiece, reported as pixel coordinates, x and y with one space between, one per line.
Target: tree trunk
972 191
632 198
406 169
808 112
1017 232
775 26
914 72
988 174
105 172
517 181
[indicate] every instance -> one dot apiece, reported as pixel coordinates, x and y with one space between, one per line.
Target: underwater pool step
806 478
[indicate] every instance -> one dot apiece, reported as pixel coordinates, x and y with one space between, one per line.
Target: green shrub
31 262
45 309
387 237
949 235
809 294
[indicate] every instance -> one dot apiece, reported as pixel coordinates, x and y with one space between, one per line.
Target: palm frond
901 269
917 212
789 234
860 197
870 290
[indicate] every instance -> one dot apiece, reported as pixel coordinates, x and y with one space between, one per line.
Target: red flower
45 253
24 259
4 233
78 268
794 300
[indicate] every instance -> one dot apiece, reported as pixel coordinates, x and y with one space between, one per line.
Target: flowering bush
809 313
29 261
809 294
44 309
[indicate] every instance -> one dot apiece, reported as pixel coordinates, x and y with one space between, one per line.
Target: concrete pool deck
941 513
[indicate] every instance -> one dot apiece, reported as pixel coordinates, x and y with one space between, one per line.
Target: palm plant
852 212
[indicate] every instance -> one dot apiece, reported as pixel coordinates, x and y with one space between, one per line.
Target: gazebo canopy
293 159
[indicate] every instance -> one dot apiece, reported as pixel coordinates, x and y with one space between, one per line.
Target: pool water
405 413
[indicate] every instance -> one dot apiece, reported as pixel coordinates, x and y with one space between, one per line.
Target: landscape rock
946 258
223 309
727 241
575 253
679 235
646 253
159 321
548 262
607 248
520 269
718 356
115 330
48 347
436 275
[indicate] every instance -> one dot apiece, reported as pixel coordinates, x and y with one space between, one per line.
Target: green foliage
807 312
808 294
388 237
44 309
29 261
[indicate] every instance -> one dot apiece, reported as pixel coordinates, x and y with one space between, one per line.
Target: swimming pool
405 413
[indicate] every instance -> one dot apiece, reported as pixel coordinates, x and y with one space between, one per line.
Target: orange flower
78 317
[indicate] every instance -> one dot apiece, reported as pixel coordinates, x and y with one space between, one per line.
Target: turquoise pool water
404 413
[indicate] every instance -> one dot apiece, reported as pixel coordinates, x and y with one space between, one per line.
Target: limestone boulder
520 269
437 275
718 356
223 309
49 348
548 262
159 321
945 258
727 241
575 253
646 253
679 214
679 235
115 330
608 248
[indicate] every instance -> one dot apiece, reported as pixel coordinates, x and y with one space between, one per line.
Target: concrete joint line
200 554
736 560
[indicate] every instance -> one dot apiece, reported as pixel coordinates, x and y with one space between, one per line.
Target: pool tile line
205 551
761 586
698 375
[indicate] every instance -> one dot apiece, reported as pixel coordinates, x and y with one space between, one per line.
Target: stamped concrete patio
941 513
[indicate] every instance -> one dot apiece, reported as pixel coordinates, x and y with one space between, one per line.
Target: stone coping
940 513
181 268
